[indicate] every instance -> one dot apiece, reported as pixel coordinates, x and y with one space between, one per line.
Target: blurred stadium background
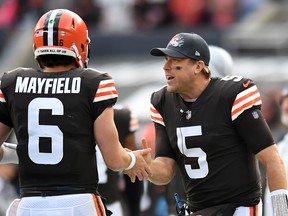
122 33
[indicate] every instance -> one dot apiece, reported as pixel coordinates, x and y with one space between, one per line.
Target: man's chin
171 89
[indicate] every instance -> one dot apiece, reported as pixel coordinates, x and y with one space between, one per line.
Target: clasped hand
142 169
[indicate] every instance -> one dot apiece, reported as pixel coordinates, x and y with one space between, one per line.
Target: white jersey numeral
235 78
35 131
198 153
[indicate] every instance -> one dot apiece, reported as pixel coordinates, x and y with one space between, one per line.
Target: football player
110 185
283 147
221 64
58 112
214 131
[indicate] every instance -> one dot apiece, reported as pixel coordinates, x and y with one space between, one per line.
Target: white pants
63 205
116 208
245 211
249 211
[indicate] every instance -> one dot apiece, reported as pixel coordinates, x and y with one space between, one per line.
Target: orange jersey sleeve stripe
100 94
244 106
156 116
239 100
158 120
105 91
105 85
153 110
245 100
2 98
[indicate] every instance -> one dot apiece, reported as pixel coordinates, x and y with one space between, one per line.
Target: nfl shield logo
188 114
255 115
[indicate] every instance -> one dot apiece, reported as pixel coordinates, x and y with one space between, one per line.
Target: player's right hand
141 169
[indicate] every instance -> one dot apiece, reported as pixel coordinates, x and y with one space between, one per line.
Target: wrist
132 162
279 200
279 191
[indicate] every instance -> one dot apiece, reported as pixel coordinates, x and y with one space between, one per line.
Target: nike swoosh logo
245 85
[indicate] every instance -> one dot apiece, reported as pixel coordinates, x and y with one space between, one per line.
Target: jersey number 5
35 131
198 153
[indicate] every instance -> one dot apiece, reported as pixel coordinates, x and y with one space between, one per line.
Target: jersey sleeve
162 142
155 114
105 95
255 131
247 96
248 119
5 117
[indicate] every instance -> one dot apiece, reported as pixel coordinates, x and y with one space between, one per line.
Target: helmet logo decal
176 41
39 33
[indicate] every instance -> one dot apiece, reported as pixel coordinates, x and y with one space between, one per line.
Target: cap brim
166 52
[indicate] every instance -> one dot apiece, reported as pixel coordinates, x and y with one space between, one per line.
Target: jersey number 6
35 131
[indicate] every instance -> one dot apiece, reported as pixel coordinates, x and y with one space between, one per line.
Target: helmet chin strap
74 47
87 56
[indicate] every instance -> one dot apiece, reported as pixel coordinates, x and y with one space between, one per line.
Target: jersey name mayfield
48 85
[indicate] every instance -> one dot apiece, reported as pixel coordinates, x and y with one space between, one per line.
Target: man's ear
199 66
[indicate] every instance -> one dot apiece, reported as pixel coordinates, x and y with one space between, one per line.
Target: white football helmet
221 62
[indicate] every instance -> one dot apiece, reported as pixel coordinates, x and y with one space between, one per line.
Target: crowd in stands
126 16
121 17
